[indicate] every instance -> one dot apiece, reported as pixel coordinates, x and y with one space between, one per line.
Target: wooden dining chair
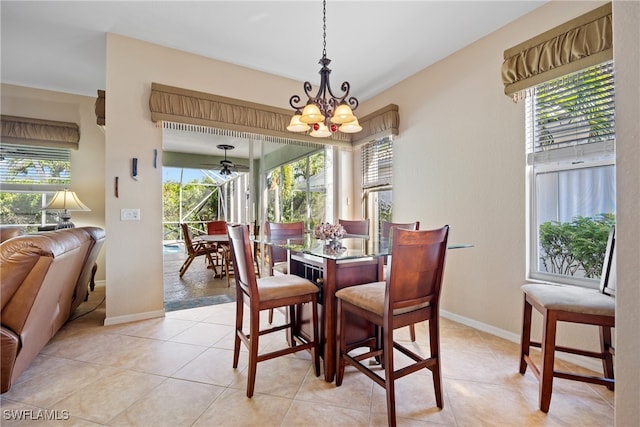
386 233
220 227
277 256
266 293
277 261
411 294
217 227
574 304
196 249
355 226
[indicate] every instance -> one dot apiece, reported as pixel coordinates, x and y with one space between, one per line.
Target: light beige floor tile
415 400
159 328
312 414
233 408
105 398
50 387
204 334
479 404
173 403
354 393
214 366
281 376
159 357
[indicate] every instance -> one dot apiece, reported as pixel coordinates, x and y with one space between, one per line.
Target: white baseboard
133 317
585 362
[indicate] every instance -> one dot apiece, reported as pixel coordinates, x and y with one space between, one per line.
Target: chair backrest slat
242 258
417 267
281 231
355 226
386 227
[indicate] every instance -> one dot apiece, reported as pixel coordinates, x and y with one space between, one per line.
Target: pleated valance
178 105
101 107
379 124
43 133
580 43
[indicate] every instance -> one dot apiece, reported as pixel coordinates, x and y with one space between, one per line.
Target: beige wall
461 141
87 163
134 264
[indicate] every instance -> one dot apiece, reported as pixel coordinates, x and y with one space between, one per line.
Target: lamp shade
343 114
322 132
351 127
66 200
296 125
311 114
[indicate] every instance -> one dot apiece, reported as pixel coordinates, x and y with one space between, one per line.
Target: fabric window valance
44 133
580 43
172 104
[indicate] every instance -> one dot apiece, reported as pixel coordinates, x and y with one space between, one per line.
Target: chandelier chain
324 29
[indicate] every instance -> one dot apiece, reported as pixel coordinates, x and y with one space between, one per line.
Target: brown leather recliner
43 279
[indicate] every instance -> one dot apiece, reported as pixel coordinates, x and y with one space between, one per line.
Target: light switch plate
129 214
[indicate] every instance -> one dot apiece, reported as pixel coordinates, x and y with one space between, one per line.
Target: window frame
539 160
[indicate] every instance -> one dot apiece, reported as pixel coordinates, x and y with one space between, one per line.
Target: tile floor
176 371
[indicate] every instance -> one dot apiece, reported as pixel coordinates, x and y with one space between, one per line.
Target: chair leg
315 336
412 332
548 357
525 340
185 266
341 345
389 375
270 315
239 320
254 333
605 348
434 340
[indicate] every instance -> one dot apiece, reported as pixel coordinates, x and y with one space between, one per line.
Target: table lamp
66 201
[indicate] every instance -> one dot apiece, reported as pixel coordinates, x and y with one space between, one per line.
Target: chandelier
324 113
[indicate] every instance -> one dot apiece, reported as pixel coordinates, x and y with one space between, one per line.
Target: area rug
197 302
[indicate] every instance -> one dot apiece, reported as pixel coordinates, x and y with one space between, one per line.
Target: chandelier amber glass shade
311 114
350 127
295 125
343 114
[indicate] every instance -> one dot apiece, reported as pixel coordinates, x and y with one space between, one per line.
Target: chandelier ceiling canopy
325 113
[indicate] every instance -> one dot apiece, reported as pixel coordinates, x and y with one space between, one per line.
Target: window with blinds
377 161
573 117
28 167
571 174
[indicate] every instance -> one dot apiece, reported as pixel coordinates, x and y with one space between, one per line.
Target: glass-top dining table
352 260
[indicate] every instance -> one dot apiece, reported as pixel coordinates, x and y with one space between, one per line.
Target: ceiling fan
227 166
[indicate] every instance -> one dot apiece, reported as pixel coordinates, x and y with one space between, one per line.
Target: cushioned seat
574 304
571 298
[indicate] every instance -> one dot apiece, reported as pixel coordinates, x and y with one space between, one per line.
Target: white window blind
377 162
28 167
574 117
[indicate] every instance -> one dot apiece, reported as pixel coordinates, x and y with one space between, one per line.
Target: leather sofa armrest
9 345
